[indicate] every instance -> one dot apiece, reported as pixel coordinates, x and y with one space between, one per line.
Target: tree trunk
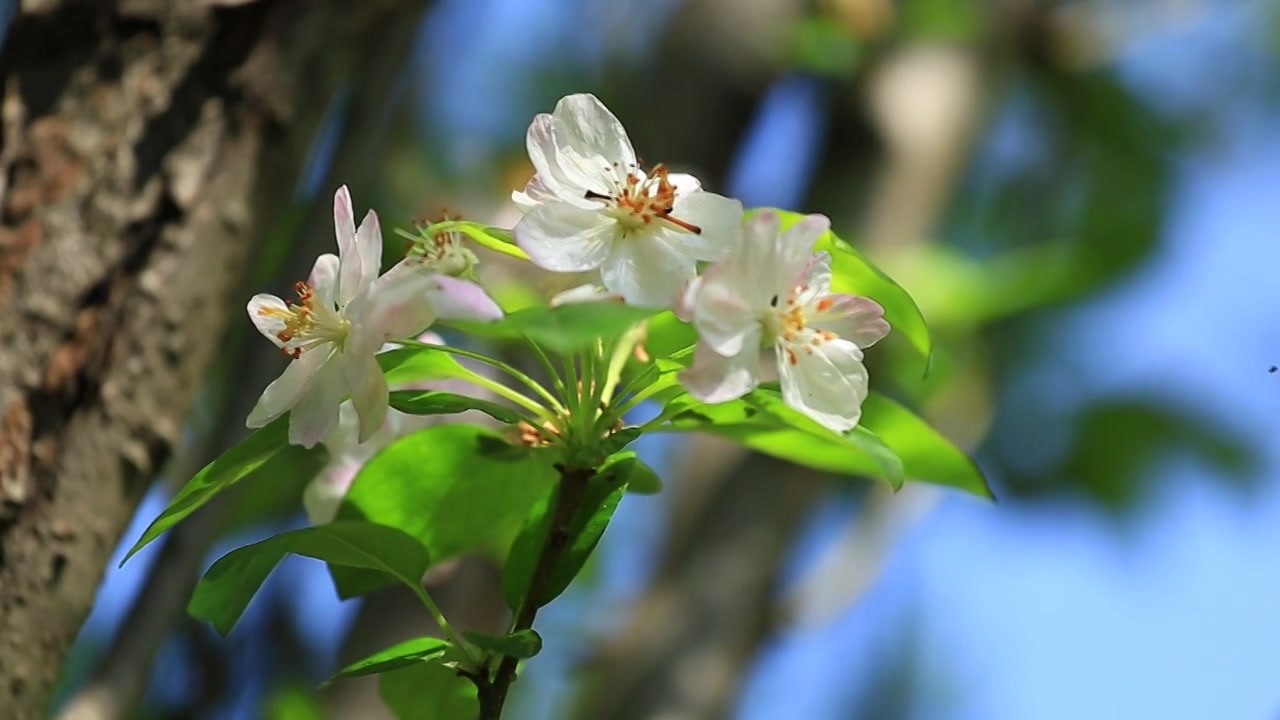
140 141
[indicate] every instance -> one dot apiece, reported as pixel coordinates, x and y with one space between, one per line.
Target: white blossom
772 291
342 316
590 206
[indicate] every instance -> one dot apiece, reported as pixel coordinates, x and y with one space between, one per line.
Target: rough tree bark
140 141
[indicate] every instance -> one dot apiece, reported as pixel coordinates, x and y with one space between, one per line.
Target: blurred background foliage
1038 173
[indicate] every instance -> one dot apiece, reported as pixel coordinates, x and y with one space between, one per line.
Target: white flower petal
714 378
725 316
827 382
535 193
719 218
456 299
316 412
857 319
646 270
369 394
794 248
263 311
684 183
285 391
564 238
324 279
589 128
566 172
360 266
344 220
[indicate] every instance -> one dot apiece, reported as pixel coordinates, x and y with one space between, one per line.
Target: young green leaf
762 422
230 468
640 478
226 589
852 273
926 454
428 691
565 329
456 488
414 364
601 498
523 644
439 402
409 652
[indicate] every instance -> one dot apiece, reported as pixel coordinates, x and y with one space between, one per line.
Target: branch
568 499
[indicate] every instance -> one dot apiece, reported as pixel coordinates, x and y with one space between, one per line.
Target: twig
570 491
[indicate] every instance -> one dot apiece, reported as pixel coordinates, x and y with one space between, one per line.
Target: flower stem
529 382
438 616
570 492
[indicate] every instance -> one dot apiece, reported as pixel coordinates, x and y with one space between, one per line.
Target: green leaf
428 691
229 585
456 488
523 644
285 478
640 478
414 364
600 499
565 329
294 702
762 422
439 402
230 468
926 454
409 652
853 273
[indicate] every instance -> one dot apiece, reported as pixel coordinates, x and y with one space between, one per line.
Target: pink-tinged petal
344 220
827 382
563 238
360 266
316 412
685 302
535 193
369 393
589 292
267 313
718 217
324 279
647 271
325 493
857 319
456 299
714 378
795 248
815 279
590 129
396 307
726 318
751 269
287 390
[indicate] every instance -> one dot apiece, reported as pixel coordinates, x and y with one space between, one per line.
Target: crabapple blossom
590 206
773 292
342 316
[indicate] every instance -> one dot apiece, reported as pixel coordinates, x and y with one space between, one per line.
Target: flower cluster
590 206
